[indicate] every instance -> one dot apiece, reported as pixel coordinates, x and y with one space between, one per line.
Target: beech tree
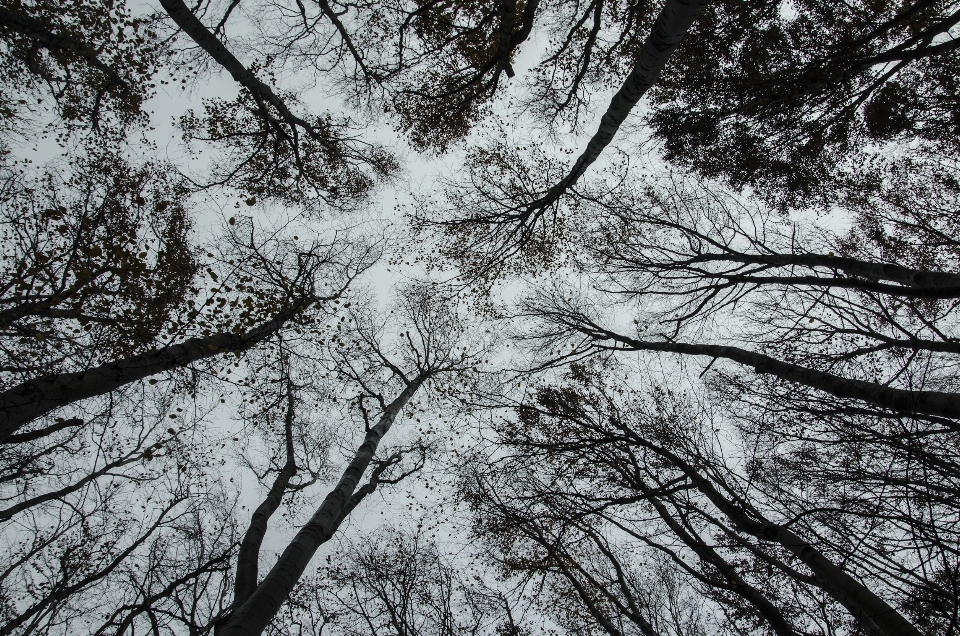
624 473
430 348
817 348
509 209
762 218
108 527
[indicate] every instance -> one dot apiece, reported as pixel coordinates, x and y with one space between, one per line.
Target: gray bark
671 25
248 559
30 436
910 282
253 617
933 403
25 402
707 554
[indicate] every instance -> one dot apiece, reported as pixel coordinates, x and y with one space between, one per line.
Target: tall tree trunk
911 282
672 24
938 404
738 585
253 617
25 402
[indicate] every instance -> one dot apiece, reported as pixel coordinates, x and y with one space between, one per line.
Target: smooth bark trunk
933 403
738 585
842 283
248 559
195 29
915 282
30 436
253 617
26 402
671 25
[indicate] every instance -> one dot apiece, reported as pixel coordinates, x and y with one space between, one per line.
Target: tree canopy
502 318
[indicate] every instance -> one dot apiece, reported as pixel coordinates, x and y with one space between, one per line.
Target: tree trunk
738 585
915 282
253 617
25 402
672 24
195 29
915 403
248 559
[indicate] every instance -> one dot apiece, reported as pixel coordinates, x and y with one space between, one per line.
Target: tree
805 482
399 582
822 310
273 152
439 67
508 211
626 472
108 528
293 285
842 369
76 484
430 346
99 257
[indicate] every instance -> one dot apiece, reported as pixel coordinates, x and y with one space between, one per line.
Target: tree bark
253 617
248 559
738 585
915 282
29 400
30 436
934 403
672 24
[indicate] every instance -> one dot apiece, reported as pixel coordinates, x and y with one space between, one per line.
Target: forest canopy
500 318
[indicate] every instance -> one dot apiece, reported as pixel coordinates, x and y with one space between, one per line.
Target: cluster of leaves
96 263
789 97
91 63
264 158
